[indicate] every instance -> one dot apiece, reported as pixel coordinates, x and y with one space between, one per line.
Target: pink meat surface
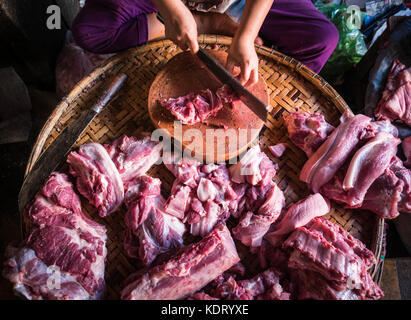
134 156
193 107
367 164
254 168
307 131
395 103
324 249
187 271
298 215
406 148
253 226
97 177
150 231
60 236
278 150
325 162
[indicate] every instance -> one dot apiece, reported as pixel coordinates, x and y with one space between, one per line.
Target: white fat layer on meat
206 190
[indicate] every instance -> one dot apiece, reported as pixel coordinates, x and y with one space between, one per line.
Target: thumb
193 45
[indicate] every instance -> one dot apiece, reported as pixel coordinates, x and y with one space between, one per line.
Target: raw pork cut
254 168
331 155
307 131
395 103
278 149
406 148
97 177
32 278
252 227
62 237
325 250
193 107
298 215
134 156
367 164
187 271
150 231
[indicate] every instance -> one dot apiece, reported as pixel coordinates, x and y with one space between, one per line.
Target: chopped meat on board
307 131
97 177
406 148
298 215
188 271
193 107
395 104
134 156
59 236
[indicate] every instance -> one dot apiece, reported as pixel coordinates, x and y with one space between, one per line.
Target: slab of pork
187 271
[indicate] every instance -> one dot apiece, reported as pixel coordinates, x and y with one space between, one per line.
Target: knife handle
109 92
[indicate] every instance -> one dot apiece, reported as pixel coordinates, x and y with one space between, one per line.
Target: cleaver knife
55 153
250 100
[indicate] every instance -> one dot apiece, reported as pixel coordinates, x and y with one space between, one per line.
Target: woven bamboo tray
290 84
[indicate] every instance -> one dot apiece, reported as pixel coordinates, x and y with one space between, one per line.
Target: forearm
252 19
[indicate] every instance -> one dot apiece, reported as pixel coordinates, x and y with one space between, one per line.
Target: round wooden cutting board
220 139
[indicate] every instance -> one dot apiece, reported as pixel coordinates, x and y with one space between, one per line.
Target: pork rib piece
307 131
278 149
331 155
98 179
396 98
330 252
150 231
60 236
298 215
187 271
406 148
193 108
367 164
134 156
252 227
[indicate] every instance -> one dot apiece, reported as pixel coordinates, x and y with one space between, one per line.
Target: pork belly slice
61 236
307 131
331 155
406 148
396 98
150 231
298 215
278 149
187 271
193 107
329 251
134 156
367 164
33 279
97 178
252 227
254 168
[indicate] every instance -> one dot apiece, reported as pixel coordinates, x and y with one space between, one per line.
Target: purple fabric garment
295 27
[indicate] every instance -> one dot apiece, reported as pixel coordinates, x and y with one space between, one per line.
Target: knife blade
55 153
250 100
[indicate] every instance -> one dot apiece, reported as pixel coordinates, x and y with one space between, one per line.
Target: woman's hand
242 54
180 26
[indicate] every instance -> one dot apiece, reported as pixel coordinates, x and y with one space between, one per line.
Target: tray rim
309 75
